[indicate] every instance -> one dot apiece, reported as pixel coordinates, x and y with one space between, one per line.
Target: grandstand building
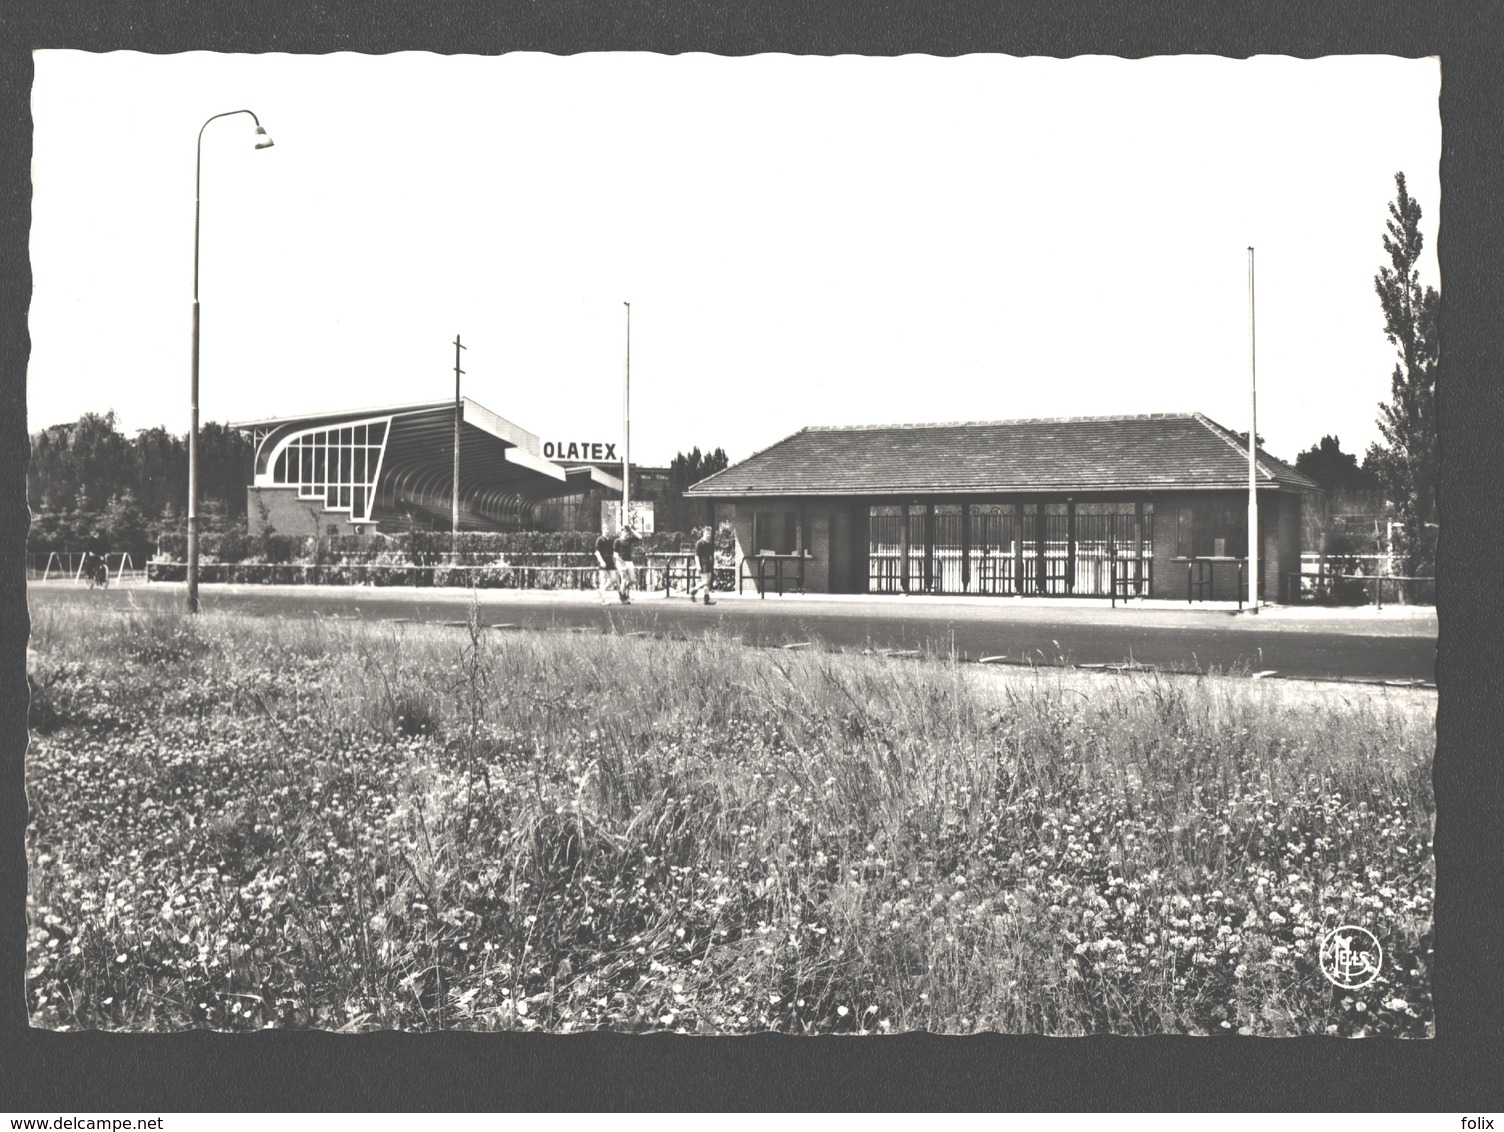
391 469
1142 506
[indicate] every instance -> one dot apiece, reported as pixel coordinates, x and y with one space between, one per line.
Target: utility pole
626 414
1253 447
458 416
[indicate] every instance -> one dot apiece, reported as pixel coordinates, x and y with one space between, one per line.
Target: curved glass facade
336 467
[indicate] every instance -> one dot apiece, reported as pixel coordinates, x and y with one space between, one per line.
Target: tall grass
241 823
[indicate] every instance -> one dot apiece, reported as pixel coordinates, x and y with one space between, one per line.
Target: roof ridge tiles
759 452
1007 421
1168 451
1231 439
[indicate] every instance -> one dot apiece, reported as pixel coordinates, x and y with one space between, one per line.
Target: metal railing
438 575
1097 571
672 567
69 564
1131 577
1325 577
657 571
1201 577
755 567
1327 584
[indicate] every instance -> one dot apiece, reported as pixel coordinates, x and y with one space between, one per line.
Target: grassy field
241 823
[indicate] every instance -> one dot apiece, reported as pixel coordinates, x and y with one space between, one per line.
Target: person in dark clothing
705 552
605 557
626 569
94 570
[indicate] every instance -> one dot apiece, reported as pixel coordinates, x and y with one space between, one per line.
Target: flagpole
626 413
1253 446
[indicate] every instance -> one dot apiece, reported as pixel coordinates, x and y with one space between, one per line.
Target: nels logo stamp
1350 957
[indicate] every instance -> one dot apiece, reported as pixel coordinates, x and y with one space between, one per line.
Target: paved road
1356 645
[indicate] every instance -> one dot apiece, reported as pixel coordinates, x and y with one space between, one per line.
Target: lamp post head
263 139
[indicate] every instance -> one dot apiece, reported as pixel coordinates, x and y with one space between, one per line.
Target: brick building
1044 506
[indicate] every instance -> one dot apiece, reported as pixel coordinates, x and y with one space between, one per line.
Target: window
775 532
1210 529
337 467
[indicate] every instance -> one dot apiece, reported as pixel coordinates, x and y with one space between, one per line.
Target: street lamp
262 142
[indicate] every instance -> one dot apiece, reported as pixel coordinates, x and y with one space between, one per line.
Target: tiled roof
1159 451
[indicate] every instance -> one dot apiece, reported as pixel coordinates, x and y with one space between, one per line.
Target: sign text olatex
579 450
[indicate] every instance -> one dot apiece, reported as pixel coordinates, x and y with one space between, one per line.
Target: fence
1357 579
1102 550
493 575
546 571
786 570
69 564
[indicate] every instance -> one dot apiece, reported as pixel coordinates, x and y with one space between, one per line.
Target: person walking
625 547
705 552
605 558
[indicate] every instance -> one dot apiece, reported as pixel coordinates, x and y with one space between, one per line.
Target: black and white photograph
829 545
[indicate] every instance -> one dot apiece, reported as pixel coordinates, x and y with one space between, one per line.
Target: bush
232 545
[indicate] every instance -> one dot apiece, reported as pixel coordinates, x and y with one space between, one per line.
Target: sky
803 240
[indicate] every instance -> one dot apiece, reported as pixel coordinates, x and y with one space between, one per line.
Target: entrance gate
1012 548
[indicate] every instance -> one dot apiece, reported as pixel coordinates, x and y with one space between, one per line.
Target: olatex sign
579 450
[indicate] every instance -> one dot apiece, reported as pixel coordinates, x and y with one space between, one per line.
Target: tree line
90 484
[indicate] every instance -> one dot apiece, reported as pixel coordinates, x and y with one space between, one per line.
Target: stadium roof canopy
394 465
1158 451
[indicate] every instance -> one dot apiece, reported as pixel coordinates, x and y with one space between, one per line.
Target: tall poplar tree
1407 460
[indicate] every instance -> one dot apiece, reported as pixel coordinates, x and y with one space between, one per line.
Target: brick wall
1279 530
815 533
817 567
1169 577
293 517
741 522
1291 531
